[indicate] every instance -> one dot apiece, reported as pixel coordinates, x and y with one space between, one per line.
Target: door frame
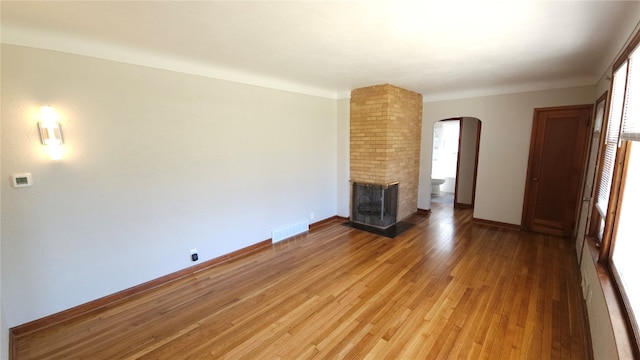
456 204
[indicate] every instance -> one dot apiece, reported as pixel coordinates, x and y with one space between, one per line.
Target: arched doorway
454 163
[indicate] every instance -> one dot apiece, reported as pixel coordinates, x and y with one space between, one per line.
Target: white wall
602 335
4 348
504 145
343 185
4 327
156 163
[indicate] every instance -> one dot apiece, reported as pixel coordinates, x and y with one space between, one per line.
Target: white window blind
631 116
611 142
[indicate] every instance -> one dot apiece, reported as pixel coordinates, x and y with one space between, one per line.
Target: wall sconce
50 132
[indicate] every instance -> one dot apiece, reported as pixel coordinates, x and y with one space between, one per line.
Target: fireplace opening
374 204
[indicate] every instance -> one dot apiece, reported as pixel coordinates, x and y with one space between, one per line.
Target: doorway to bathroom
454 166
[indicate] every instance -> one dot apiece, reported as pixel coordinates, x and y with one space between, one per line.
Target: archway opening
454 162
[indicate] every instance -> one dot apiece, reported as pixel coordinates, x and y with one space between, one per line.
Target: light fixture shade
50 133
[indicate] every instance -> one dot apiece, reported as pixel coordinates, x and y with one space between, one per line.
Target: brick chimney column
386 127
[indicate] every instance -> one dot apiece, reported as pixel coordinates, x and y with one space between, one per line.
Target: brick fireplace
385 128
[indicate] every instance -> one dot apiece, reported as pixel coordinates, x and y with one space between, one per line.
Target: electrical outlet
312 216
194 254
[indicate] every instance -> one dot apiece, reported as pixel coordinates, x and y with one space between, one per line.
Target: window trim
611 265
593 226
605 248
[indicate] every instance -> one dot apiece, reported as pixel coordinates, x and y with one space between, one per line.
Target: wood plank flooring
446 288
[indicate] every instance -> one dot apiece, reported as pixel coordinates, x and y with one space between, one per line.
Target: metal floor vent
289 231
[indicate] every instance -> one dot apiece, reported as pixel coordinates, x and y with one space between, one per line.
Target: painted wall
156 163
602 335
4 327
343 184
504 145
4 347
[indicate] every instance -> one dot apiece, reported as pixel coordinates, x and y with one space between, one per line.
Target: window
618 195
626 241
611 141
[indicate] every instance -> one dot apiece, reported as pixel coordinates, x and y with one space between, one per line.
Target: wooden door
557 154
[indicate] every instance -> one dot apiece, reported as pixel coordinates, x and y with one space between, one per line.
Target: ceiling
441 49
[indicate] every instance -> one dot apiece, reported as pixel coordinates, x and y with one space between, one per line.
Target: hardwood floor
446 288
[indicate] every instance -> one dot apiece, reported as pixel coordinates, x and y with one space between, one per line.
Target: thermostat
21 180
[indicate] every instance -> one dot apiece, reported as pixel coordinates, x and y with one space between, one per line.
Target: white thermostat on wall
21 180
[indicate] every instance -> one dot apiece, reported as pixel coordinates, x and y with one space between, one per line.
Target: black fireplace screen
374 205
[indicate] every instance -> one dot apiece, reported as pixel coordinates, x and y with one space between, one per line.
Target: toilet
435 185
